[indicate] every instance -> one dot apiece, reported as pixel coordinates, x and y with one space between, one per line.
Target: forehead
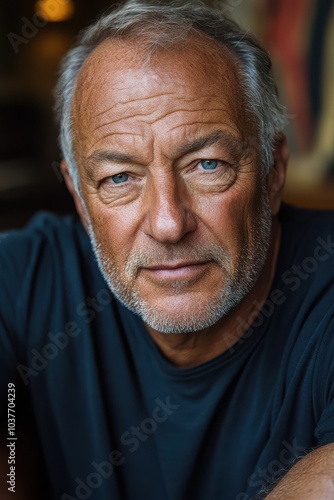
119 86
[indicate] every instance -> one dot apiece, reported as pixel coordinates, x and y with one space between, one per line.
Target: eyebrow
226 139
96 160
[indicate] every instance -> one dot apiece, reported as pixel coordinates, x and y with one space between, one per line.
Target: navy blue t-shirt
116 420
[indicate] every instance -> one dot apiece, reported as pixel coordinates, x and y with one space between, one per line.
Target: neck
193 349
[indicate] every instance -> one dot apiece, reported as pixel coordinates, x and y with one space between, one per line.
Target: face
177 213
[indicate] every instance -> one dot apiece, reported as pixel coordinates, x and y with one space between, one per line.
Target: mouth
177 271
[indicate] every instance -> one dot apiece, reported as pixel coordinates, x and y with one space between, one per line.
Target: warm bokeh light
54 10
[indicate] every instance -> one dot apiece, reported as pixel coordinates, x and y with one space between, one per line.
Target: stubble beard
237 283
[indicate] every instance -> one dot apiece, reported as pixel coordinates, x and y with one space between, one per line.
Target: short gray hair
164 24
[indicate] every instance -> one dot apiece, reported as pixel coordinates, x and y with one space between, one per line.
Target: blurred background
35 35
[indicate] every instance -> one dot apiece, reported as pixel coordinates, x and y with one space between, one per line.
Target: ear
77 200
277 174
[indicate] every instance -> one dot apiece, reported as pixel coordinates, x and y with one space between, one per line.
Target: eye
119 178
209 164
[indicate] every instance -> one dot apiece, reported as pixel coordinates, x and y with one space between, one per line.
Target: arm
312 478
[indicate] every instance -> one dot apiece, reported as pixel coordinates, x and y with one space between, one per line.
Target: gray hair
164 24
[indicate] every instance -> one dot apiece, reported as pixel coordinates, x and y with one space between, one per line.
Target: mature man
204 368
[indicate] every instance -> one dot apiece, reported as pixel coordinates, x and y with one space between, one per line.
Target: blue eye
120 178
209 164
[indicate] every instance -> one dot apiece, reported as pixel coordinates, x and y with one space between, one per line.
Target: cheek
228 217
114 229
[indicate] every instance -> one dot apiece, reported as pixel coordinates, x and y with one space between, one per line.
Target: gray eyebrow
95 161
111 156
223 137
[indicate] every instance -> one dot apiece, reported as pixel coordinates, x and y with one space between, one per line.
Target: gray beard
238 282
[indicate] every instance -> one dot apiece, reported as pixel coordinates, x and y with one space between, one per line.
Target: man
197 361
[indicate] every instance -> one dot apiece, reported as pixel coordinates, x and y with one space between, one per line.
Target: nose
168 211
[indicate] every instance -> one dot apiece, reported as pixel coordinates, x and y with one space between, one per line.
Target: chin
179 315
171 323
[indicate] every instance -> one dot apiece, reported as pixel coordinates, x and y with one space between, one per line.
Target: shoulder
306 221
34 259
46 234
307 246
305 280
30 261
43 227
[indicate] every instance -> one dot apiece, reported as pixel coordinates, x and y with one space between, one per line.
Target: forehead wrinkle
172 112
128 117
100 157
124 103
179 98
168 113
127 144
237 135
225 72
112 122
147 98
176 96
132 134
183 110
113 134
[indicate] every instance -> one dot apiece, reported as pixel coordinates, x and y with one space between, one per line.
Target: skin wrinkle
230 182
206 103
217 53
82 76
178 213
198 122
145 99
221 138
112 134
197 39
208 97
234 132
112 122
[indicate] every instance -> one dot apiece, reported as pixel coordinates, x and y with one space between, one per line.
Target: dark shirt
116 420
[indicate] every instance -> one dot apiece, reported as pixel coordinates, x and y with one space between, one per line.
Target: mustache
169 255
